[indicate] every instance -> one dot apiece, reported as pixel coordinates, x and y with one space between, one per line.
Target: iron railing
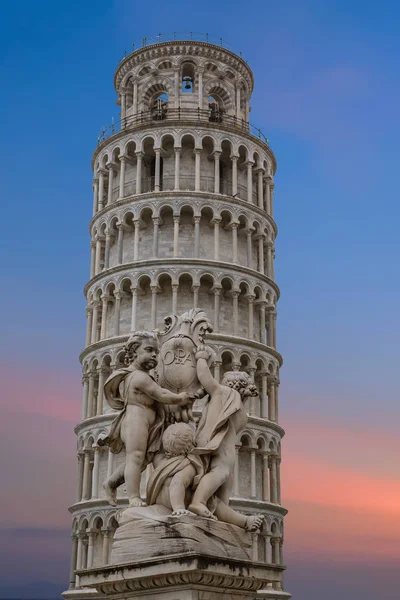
164 113
179 36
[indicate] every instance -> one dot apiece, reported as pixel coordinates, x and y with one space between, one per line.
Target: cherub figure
140 423
222 419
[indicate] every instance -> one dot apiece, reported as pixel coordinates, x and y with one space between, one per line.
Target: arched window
216 110
187 78
160 107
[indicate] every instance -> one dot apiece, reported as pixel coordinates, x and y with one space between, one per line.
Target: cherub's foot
136 501
202 511
181 511
254 523
111 493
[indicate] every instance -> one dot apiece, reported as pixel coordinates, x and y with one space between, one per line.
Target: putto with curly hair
178 440
133 343
236 380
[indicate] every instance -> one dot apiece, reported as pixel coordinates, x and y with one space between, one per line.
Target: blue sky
327 97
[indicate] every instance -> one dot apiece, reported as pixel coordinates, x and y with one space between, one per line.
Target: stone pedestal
188 576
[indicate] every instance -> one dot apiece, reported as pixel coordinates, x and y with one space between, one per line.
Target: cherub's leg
110 486
177 490
226 514
134 434
208 485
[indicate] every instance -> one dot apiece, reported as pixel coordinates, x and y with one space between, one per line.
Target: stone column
195 290
249 234
238 102
157 169
106 545
270 268
95 474
217 294
120 243
262 322
217 155
273 480
175 289
176 235
253 487
107 250
197 152
104 301
265 482
92 259
121 193
110 182
196 236
278 479
176 86
84 550
234 227
100 203
135 97
91 536
268 549
235 300
270 329
267 195
271 400
156 223
96 305
86 475
79 488
274 317
253 407
98 255
260 187
261 254
123 107
136 225
154 292
134 308
90 403
95 194
250 299
73 561
271 199
217 370
200 95
110 463
216 238
254 553
100 392
85 392
236 473
89 318
249 166
276 399
281 551
139 156
177 168
234 160
79 557
118 296
275 554
264 394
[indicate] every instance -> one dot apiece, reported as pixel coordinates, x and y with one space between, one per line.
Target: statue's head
142 347
240 381
178 440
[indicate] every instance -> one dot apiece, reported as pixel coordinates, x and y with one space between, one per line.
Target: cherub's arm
178 486
203 372
148 386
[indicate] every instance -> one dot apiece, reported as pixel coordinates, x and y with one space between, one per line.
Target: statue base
188 576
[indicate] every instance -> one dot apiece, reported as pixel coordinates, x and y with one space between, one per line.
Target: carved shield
178 364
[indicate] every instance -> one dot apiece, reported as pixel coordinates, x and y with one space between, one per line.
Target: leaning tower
182 217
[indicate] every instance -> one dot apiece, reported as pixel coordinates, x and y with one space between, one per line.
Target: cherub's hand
203 352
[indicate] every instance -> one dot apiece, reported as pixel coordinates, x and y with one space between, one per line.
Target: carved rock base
153 532
189 576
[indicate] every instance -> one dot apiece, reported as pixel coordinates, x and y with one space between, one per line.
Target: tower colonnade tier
182 218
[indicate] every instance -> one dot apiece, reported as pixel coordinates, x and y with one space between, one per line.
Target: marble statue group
167 374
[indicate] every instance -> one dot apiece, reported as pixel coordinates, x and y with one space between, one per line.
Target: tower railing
182 36
163 114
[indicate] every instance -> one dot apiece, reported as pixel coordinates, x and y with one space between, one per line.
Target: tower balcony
163 114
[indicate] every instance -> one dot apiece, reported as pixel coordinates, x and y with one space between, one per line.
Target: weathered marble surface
152 531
